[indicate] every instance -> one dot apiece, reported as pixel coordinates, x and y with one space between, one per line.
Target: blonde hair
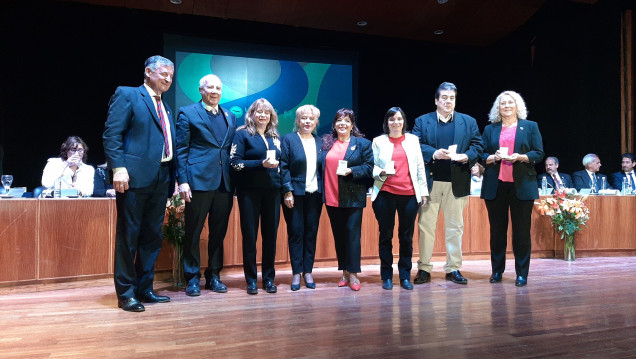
272 127
307 109
522 111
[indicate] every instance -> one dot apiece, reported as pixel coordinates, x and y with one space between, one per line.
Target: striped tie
162 122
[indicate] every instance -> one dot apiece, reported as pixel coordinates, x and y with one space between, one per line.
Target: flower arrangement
568 214
173 231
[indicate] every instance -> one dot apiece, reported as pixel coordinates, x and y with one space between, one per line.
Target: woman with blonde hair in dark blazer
512 147
347 162
254 157
302 188
399 186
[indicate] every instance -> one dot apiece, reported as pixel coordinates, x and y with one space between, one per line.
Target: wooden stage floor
568 310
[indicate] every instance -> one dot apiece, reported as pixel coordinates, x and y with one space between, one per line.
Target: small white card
342 168
503 152
389 167
452 149
271 155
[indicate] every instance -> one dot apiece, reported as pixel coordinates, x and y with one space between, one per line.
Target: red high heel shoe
344 281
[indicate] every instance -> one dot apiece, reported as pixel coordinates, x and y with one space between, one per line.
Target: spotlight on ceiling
178 2
361 23
441 2
438 32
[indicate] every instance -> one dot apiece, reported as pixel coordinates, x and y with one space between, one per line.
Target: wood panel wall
66 239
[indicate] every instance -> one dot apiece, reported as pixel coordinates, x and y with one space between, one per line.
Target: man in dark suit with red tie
205 132
555 179
627 171
138 144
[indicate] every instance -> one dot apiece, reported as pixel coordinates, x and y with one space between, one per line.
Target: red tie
556 180
162 122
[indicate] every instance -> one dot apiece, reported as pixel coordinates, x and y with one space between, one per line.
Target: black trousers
254 203
140 214
216 206
346 225
302 228
384 206
521 216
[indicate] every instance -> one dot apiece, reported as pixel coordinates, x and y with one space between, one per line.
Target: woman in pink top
509 183
347 162
399 186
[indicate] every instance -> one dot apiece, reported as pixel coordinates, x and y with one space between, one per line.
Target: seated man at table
627 172
555 179
589 177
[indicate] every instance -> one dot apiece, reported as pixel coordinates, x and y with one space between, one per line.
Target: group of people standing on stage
204 151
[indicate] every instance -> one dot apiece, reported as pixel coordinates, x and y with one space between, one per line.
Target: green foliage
174 230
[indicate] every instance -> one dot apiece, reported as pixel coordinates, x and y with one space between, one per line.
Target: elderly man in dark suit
451 144
589 177
627 171
555 179
205 132
138 144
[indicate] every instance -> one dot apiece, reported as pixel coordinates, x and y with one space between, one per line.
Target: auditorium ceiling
470 22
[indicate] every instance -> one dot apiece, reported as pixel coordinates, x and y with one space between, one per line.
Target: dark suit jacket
466 138
565 179
352 189
528 141
293 164
246 158
616 180
202 160
582 180
101 182
133 137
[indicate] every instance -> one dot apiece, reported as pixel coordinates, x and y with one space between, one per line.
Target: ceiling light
178 2
438 32
361 23
441 2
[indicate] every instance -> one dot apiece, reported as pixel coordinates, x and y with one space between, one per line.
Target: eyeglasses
76 150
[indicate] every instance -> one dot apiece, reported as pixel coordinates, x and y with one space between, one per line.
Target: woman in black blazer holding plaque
254 157
302 188
347 163
509 183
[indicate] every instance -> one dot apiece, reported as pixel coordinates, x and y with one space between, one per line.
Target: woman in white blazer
399 185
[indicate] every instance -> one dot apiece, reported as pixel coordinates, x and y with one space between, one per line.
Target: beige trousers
442 197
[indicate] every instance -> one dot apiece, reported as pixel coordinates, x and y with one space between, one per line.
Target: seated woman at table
476 179
103 185
70 168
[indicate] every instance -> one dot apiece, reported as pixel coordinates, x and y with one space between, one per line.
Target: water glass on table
6 182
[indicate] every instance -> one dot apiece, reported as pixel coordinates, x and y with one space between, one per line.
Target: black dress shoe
521 281
456 277
193 289
422 277
130 305
216 285
151 297
252 288
270 287
406 284
495 278
387 284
